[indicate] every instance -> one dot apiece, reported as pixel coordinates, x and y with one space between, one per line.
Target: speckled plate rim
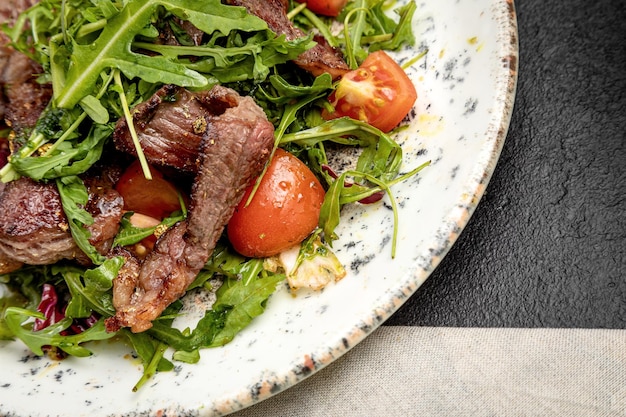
474 189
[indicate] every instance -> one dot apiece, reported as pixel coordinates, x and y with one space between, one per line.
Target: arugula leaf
129 234
146 347
401 31
151 352
112 49
285 92
343 192
74 197
17 321
381 156
239 59
9 297
90 289
202 336
67 159
355 53
243 302
94 109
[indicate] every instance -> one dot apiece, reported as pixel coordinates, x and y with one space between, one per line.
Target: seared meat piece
4 155
10 9
5 53
233 150
35 231
106 206
317 60
25 98
33 227
170 127
22 98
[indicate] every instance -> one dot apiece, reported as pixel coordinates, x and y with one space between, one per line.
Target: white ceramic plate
466 85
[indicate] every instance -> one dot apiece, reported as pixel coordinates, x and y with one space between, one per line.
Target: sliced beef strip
322 58
22 97
233 150
4 155
34 229
170 126
10 9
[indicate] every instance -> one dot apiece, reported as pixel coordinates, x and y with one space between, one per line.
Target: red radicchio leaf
49 307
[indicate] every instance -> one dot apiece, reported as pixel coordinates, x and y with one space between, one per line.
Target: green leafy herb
17 321
112 49
90 288
129 234
243 302
151 352
67 159
74 197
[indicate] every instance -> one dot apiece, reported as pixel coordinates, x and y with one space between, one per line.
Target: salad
304 80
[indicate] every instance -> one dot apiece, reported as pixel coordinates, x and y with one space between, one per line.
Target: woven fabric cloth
433 371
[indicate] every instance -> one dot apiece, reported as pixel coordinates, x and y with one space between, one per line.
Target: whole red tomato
284 209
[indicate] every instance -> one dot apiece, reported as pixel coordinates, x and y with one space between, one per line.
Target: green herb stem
151 369
131 127
322 27
299 8
354 32
89 28
413 60
8 172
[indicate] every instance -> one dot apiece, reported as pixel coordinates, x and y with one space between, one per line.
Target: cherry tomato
156 198
325 7
284 210
378 92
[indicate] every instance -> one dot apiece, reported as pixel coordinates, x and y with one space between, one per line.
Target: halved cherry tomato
284 210
378 92
325 7
156 198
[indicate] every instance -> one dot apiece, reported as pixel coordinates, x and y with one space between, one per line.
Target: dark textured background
546 247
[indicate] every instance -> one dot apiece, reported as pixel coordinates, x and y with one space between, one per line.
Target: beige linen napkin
426 371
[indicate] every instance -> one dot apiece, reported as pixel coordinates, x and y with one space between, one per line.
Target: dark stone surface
546 247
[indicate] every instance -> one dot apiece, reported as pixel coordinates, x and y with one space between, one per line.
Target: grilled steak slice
317 60
33 227
106 206
4 155
10 9
233 150
25 98
170 127
35 231
22 98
